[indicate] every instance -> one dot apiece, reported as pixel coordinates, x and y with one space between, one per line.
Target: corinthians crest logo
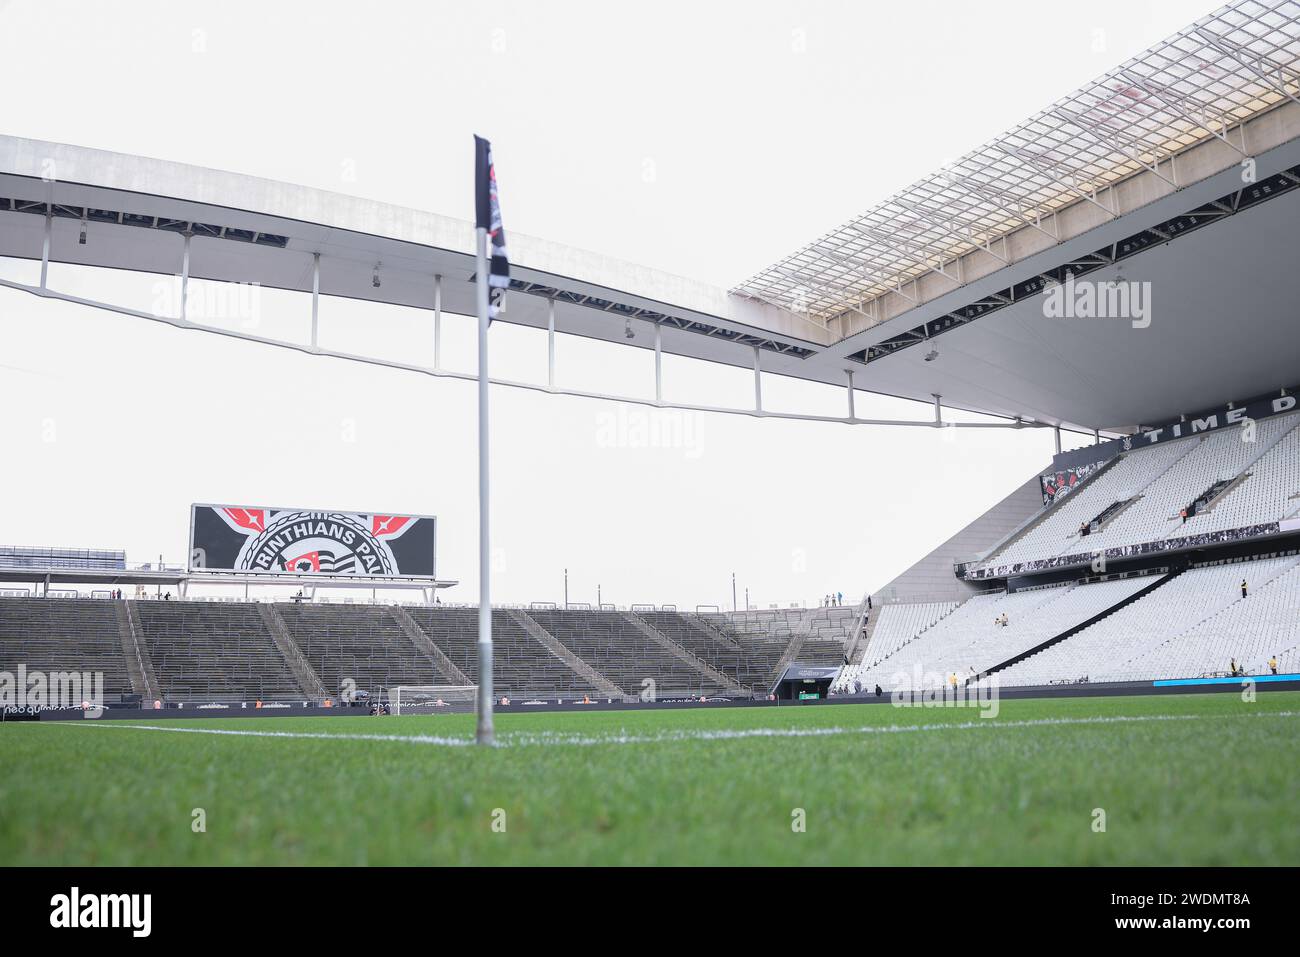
315 543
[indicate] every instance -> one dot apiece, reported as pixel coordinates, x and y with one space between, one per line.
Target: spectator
1243 588
1084 529
878 691
1232 665
1272 664
868 603
839 598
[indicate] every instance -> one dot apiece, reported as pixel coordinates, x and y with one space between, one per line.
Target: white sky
704 139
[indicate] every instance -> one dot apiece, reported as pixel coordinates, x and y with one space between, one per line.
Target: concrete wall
932 578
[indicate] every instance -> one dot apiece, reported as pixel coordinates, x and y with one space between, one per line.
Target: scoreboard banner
259 540
1057 485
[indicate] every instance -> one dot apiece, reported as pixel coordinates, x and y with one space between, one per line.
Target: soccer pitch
1181 779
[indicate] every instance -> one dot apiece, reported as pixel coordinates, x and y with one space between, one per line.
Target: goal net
432 699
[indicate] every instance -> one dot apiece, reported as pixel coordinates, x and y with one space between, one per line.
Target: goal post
432 699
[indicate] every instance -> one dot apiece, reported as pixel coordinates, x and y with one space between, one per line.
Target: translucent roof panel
1202 82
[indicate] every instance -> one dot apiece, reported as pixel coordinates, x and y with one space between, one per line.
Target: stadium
1102 668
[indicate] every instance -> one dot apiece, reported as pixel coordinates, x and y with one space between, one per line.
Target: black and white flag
488 216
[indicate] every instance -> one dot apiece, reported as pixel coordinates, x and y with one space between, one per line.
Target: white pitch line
526 739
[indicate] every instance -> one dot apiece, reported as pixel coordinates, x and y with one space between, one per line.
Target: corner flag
488 216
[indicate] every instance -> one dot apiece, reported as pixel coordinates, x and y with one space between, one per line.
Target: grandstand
1138 641
1134 576
217 651
1119 562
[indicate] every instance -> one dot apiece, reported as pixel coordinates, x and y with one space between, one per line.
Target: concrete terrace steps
786 660
424 644
706 627
139 667
864 641
673 648
303 672
559 650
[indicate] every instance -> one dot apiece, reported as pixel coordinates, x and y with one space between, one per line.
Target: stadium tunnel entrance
805 683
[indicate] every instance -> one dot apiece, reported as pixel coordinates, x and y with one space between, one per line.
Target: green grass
1217 788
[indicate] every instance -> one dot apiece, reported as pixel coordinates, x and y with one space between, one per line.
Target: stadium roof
1142 175
1202 82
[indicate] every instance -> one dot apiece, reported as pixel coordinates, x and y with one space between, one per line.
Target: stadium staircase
862 638
557 648
303 673
707 628
683 654
748 665
1220 493
1213 495
424 644
1141 593
786 660
138 666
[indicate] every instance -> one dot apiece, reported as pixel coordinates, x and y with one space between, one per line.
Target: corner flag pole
492 272
484 733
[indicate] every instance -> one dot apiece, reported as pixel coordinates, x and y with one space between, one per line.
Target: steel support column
45 252
315 300
550 343
185 281
659 363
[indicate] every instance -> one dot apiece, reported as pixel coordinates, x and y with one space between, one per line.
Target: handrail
150 688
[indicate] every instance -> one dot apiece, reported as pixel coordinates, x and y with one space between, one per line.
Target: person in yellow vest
1272 664
952 680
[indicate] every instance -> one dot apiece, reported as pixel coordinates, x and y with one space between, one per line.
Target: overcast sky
704 139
